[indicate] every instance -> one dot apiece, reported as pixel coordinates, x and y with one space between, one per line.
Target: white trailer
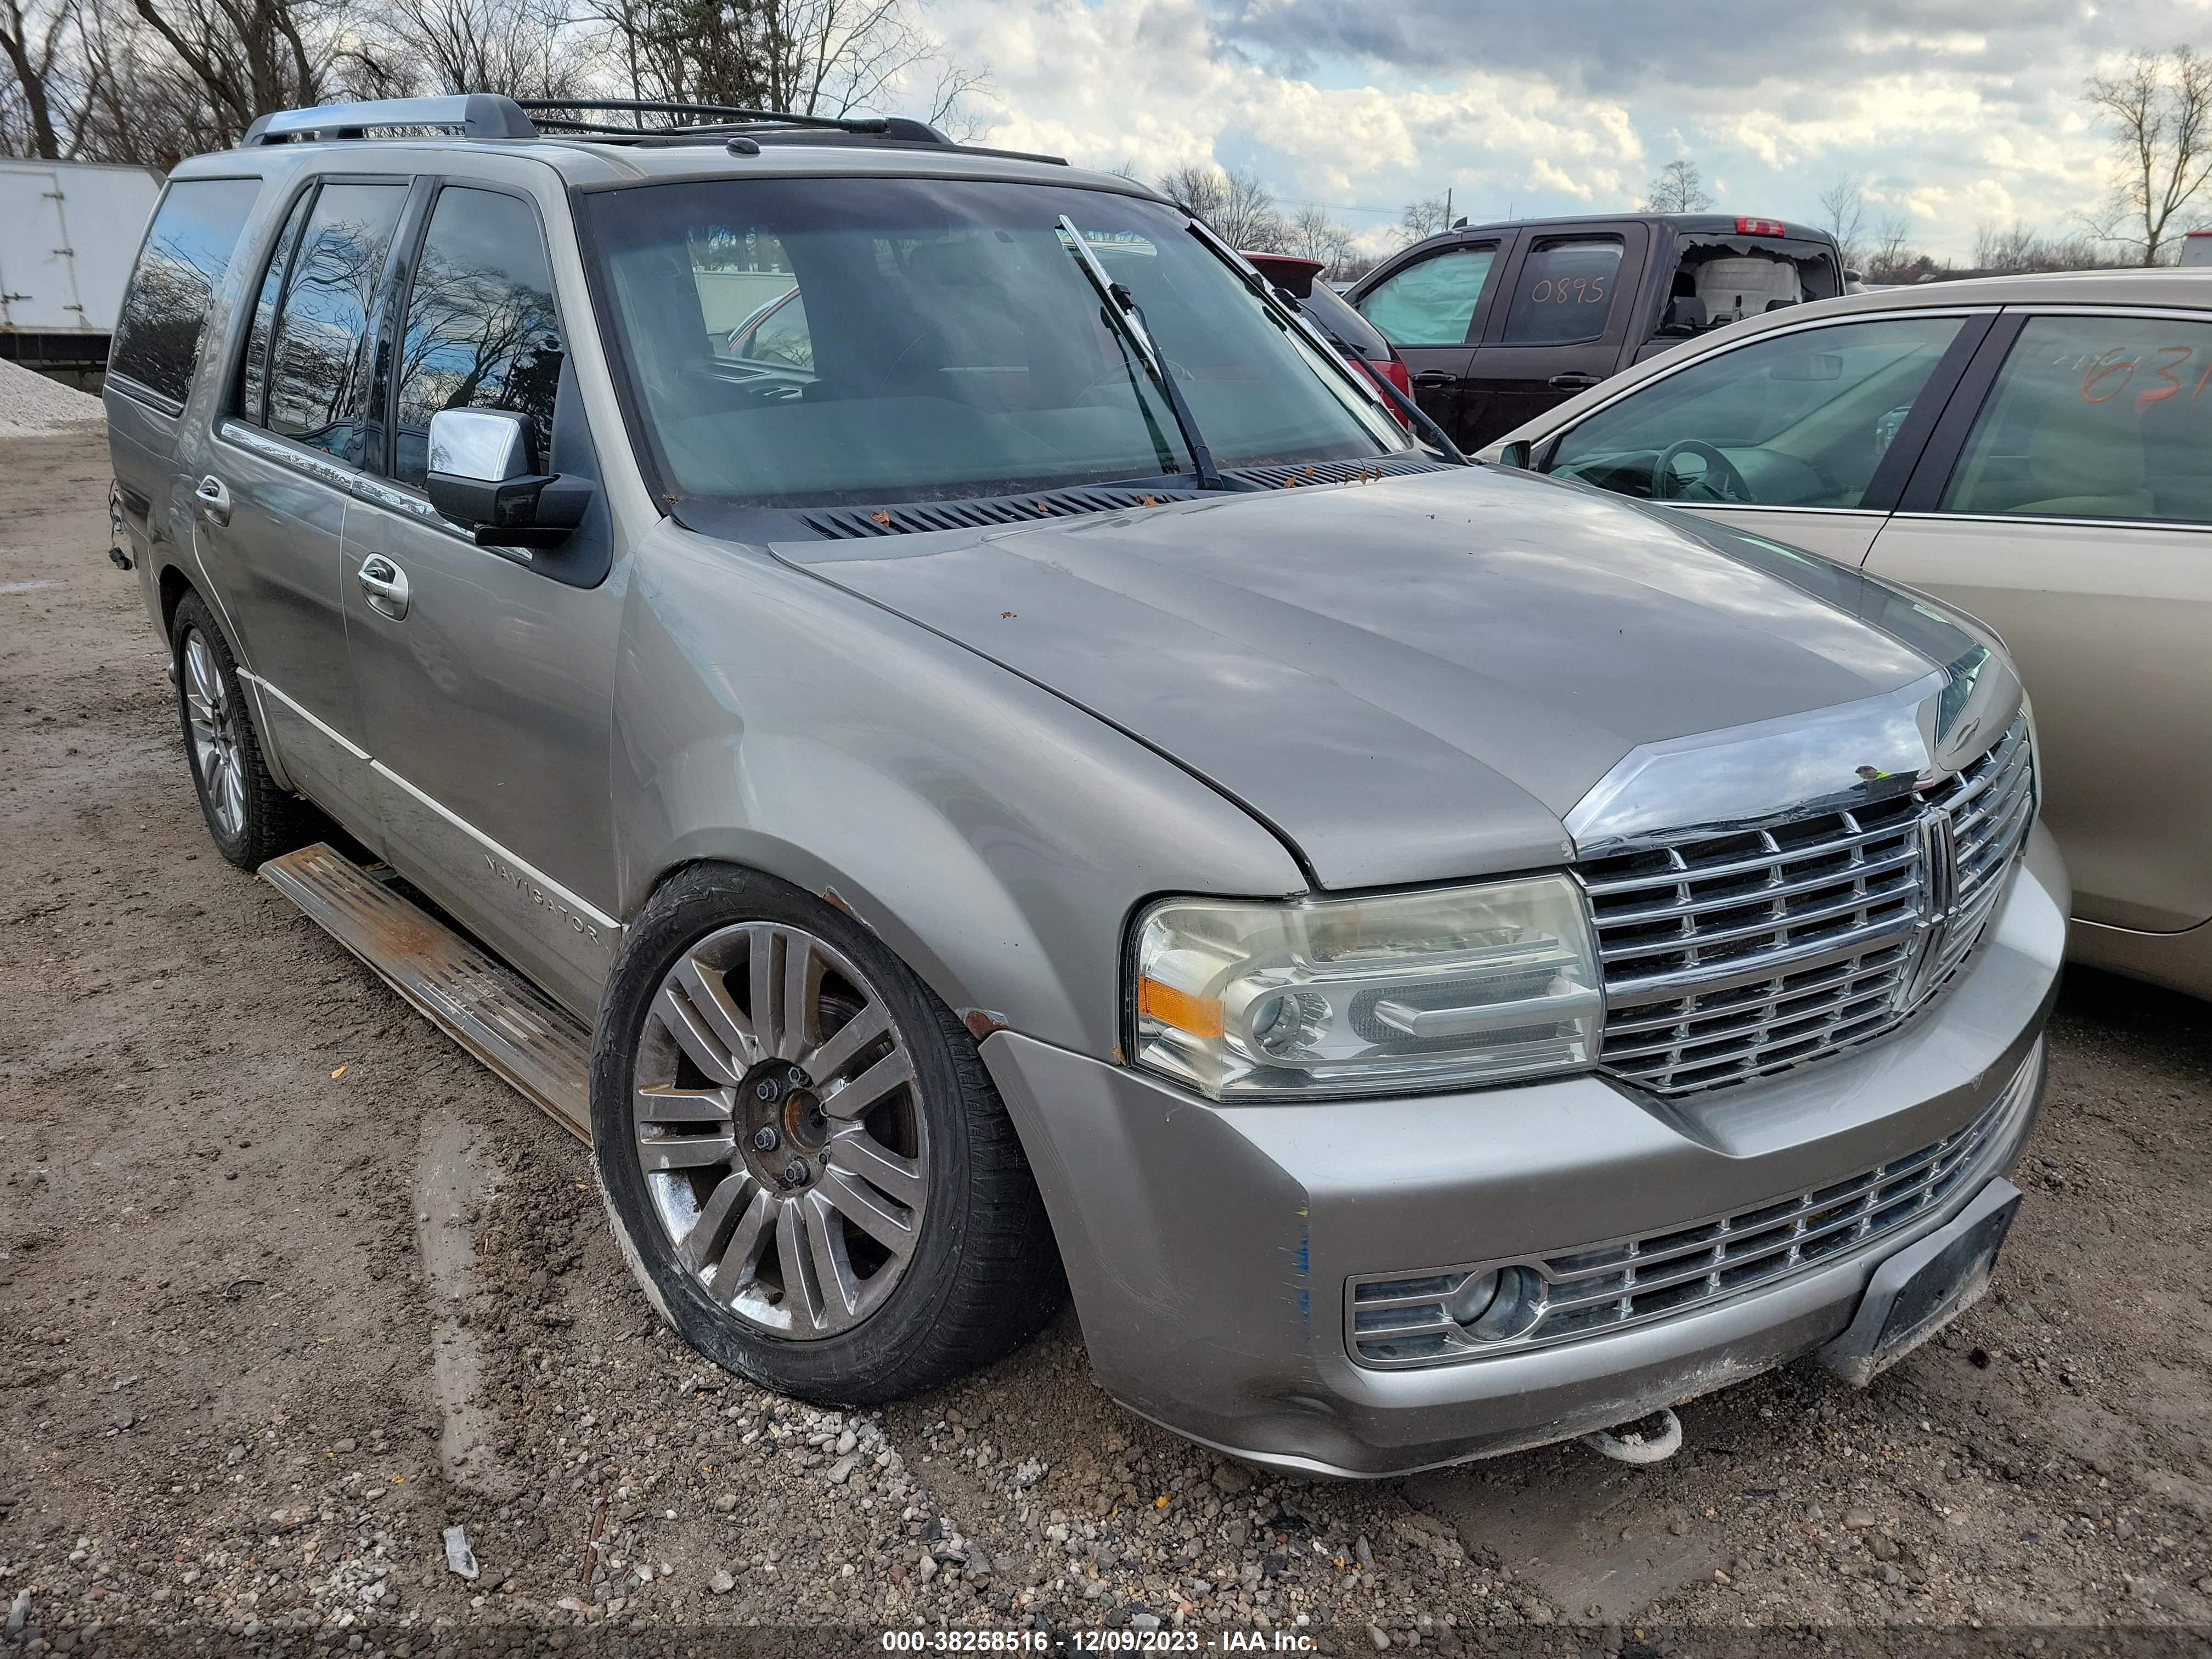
69 231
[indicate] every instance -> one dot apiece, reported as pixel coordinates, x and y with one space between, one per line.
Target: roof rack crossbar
477 114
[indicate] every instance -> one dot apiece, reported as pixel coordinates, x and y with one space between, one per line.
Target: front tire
251 818
801 1152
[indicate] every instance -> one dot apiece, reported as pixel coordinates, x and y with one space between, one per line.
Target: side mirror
480 477
1515 454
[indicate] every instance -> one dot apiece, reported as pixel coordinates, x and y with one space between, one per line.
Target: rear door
1805 436
1432 309
2066 499
486 694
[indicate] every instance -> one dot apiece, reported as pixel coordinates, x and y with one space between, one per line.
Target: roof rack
478 115
487 115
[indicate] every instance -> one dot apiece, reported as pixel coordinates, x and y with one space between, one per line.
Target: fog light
1499 1305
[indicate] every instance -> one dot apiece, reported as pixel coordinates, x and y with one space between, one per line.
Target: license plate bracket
1925 1286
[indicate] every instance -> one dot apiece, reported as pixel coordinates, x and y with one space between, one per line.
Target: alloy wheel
212 718
778 1124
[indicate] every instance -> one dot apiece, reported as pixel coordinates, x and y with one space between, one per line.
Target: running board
473 996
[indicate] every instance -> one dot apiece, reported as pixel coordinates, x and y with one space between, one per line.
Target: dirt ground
288 1285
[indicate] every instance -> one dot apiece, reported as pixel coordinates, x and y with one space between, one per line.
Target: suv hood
1411 680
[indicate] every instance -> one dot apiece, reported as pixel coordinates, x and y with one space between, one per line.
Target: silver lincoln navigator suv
906 693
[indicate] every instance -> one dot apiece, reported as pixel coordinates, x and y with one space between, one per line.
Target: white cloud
1338 101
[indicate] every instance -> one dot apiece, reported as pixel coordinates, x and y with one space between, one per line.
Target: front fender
995 837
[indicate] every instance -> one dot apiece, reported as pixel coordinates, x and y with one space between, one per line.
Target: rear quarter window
165 310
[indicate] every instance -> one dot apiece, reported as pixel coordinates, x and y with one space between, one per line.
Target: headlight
1243 1000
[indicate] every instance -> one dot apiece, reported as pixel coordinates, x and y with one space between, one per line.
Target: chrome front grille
1990 806
1431 1318
1728 956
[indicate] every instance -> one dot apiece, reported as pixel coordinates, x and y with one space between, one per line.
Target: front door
1803 437
271 507
2075 516
1432 308
1562 327
486 689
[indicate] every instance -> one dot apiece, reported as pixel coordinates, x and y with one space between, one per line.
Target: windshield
808 342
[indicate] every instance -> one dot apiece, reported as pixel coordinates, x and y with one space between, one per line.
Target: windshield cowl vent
1330 472
911 518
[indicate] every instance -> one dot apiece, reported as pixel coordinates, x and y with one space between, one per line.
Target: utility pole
1447 224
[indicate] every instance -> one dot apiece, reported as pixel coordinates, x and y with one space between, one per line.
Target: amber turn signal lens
1200 1016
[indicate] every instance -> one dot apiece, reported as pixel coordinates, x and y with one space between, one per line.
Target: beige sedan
2036 450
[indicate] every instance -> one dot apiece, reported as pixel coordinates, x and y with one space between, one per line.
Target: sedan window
1801 419
2095 417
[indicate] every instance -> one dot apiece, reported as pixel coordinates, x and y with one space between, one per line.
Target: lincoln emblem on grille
1939 877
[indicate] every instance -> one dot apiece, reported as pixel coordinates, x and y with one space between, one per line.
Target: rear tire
251 818
802 1155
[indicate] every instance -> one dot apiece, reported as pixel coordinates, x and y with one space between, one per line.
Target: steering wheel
1721 479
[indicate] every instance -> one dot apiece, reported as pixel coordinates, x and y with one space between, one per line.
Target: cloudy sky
1954 114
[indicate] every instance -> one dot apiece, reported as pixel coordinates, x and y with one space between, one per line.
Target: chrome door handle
385 584
214 498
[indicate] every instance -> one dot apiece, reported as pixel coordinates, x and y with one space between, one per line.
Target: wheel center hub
782 1128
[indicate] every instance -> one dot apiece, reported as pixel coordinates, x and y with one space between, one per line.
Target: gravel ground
32 406
290 1287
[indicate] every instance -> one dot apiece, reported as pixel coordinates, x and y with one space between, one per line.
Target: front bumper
1209 1247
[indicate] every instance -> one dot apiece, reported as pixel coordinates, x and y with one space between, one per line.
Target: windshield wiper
1298 317
1123 314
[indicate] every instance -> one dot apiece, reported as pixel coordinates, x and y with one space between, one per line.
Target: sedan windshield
801 342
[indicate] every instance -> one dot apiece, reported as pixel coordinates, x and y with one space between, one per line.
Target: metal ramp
473 996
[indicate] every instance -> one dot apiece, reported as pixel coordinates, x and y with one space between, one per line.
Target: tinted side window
1431 303
1803 419
2095 417
481 332
1564 292
254 374
188 249
319 358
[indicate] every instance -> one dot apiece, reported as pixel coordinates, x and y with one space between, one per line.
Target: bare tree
1891 256
1313 235
1842 210
32 38
1425 217
140 104
1678 187
811 57
2158 111
521 48
2020 247
249 56
1241 210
